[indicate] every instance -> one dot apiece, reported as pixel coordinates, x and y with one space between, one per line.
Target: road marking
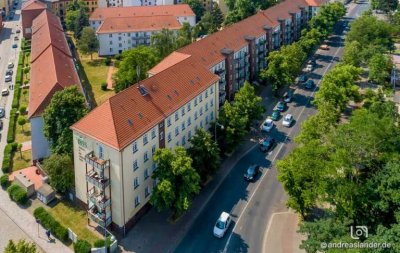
279 150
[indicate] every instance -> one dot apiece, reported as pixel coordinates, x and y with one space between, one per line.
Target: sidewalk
153 233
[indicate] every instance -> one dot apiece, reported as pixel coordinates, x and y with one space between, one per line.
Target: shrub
4 182
8 153
49 222
11 126
107 61
104 86
116 64
14 146
22 109
101 243
118 57
82 246
26 81
18 194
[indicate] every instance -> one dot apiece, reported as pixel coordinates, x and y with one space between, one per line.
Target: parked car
5 92
14 46
252 172
222 225
10 65
9 72
281 106
16 38
324 47
2 113
8 78
1 125
276 114
309 68
309 84
267 144
288 96
18 31
303 78
287 120
267 125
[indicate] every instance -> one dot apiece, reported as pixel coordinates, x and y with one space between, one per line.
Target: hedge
8 154
18 194
49 222
18 81
82 246
11 126
4 182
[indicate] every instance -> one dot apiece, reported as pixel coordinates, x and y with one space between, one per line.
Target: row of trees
285 64
241 9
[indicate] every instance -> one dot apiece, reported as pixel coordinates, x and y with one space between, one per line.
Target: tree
22 246
66 107
235 124
19 148
164 42
197 7
60 169
352 53
218 16
207 24
204 153
77 17
249 104
385 5
184 35
88 43
277 73
241 10
178 181
142 58
380 67
21 122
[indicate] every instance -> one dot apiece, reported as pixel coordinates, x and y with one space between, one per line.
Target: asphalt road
252 204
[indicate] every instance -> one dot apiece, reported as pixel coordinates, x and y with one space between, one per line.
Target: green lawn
21 163
74 218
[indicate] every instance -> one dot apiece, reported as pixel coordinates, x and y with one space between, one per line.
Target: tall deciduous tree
21 246
88 43
60 169
66 107
353 53
184 36
164 42
380 67
143 58
197 7
248 102
234 125
77 17
204 153
385 5
178 181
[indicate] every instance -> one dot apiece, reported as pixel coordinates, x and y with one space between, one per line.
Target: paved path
109 76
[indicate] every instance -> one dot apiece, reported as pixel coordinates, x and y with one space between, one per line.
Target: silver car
8 78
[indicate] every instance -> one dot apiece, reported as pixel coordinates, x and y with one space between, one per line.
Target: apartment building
29 11
52 70
114 143
121 28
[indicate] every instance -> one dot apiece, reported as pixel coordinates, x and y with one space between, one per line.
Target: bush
18 194
104 86
49 222
101 243
11 126
82 246
118 57
107 61
4 182
116 64
8 153
22 109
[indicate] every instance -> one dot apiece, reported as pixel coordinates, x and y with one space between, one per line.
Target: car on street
222 225
309 68
1 125
281 106
5 92
303 78
9 72
8 78
2 113
267 125
14 46
252 172
309 84
10 65
276 114
324 47
16 38
267 144
18 31
287 120
288 96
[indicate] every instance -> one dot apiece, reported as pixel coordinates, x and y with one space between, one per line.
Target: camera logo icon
358 231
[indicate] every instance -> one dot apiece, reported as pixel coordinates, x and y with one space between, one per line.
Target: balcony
100 217
220 72
95 179
98 199
98 164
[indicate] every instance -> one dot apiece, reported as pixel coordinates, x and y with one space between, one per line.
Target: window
161 136
145 141
189 122
183 126
196 127
169 121
120 44
110 42
146 174
212 115
134 147
212 90
201 111
111 49
176 116
183 111
119 38
153 133
176 131
189 134
206 107
201 123
146 192
145 157
207 119
206 94
201 97
195 102
195 115
189 107
169 137
110 35
177 143
137 201
183 140
212 102
136 182
153 149
101 152
154 183
154 167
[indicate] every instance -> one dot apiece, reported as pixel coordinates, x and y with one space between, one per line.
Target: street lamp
215 129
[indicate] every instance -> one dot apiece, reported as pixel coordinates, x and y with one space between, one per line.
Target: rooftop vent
140 115
143 91
130 122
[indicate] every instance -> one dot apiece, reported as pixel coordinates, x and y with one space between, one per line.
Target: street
252 204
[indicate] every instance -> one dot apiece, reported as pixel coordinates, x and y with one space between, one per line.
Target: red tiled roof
172 59
128 115
52 67
133 24
316 3
140 11
33 5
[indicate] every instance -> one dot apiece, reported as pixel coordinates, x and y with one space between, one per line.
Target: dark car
2 113
1 125
267 144
309 84
288 96
281 106
9 72
275 115
303 78
252 173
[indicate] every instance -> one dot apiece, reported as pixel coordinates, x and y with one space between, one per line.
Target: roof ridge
55 85
113 122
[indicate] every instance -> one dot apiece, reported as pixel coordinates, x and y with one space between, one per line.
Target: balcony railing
98 164
100 200
95 179
220 72
100 218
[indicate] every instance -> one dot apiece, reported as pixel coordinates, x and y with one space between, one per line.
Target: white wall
131 2
40 145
